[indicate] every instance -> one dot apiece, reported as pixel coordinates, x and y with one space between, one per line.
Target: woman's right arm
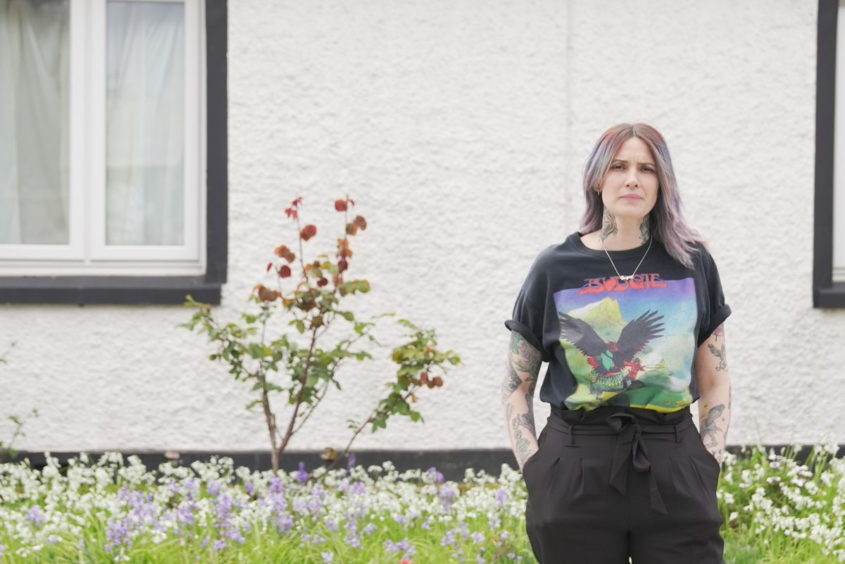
522 371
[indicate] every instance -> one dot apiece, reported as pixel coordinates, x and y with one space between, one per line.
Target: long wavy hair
666 217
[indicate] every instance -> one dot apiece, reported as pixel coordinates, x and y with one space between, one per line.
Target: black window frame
139 290
826 293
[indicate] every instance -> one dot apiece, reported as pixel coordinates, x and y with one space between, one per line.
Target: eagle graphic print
629 343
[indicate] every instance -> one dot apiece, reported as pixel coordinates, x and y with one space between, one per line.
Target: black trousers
620 482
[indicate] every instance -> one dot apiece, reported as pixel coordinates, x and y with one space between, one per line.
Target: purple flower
301 474
352 540
186 513
205 541
284 523
35 516
276 485
235 535
401 519
2 550
250 489
213 488
447 495
219 545
278 501
438 477
224 507
300 505
369 529
118 533
449 538
403 546
143 507
193 487
332 525
328 557
501 496
350 463
359 488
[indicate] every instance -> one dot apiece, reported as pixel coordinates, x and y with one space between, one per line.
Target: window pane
34 111
145 84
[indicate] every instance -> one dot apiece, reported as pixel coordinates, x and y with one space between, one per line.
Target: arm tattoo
511 381
523 358
721 354
710 428
523 366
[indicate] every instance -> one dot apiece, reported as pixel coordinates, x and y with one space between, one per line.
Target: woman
629 313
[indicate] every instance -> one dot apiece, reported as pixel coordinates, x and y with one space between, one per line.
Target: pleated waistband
628 424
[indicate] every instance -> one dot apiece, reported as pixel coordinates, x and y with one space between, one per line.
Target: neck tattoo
609 228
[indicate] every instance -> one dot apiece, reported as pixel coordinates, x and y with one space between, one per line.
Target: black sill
451 463
108 290
833 296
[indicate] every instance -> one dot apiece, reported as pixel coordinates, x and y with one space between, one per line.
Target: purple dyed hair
666 218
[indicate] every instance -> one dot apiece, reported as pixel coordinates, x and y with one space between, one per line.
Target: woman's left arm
714 387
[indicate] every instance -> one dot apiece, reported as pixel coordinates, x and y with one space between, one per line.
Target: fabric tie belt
629 443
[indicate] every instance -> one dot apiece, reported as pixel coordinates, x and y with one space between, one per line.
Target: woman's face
630 185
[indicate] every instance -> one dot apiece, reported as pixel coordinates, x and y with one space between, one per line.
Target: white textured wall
461 130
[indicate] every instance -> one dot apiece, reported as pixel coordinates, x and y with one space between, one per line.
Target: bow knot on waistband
629 432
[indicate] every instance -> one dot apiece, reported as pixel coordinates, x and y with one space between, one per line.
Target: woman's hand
527 458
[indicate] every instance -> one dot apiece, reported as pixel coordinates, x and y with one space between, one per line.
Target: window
112 151
829 213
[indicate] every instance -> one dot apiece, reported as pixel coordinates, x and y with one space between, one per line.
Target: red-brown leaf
308 231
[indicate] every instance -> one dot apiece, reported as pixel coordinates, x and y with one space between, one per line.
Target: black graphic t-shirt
614 342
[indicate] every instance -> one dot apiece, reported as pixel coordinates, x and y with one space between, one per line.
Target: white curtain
34 110
145 121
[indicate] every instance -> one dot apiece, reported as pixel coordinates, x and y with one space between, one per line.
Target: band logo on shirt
614 284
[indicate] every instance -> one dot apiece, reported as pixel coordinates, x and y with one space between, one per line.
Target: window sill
830 297
108 290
